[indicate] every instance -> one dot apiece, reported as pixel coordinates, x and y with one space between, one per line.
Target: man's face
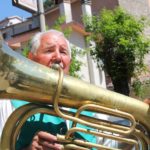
53 50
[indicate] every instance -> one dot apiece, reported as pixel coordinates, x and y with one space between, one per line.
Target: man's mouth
57 65
62 65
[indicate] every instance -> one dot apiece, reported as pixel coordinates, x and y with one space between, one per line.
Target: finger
35 144
47 136
54 146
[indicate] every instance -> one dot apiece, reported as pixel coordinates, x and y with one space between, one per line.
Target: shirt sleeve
6 109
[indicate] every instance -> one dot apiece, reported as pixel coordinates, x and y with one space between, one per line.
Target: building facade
19 33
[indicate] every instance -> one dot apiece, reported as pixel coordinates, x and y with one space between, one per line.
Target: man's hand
44 141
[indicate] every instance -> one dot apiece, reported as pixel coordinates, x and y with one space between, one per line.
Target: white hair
36 40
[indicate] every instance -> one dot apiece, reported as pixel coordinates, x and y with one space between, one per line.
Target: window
30 26
4 36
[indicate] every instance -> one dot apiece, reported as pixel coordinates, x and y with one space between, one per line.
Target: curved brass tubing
24 79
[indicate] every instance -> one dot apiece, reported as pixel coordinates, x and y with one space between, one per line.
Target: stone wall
136 7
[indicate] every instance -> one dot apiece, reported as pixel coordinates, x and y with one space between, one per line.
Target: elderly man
49 48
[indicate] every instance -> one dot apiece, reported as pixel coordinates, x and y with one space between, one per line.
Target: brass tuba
24 79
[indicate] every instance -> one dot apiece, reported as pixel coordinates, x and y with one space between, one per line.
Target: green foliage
75 66
57 25
26 50
141 88
59 22
120 42
48 4
138 88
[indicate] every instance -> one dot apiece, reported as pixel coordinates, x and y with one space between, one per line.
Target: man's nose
57 56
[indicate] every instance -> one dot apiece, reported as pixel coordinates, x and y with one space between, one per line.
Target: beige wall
52 17
136 7
76 11
97 5
77 39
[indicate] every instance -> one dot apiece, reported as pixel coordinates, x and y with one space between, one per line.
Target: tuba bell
23 79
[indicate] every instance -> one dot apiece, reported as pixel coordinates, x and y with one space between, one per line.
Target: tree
120 45
76 64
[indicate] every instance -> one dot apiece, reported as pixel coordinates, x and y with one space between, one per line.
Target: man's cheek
67 61
66 70
43 60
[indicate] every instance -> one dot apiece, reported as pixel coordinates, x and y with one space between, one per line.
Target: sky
8 10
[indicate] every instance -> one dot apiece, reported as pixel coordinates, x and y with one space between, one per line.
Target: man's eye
48 51
63 52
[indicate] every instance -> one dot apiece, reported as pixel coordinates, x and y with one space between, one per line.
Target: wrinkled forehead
53 34
57 35
54 37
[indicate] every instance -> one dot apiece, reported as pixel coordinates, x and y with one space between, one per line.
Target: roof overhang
77 27
24 37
